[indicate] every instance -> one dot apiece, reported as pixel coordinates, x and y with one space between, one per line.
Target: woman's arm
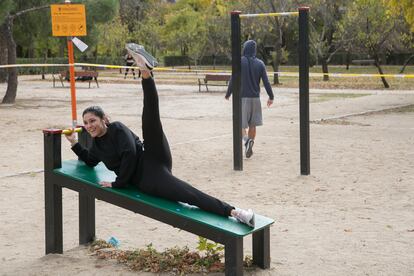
81 152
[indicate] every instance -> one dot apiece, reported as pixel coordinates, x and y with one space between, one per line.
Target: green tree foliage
28 22
370 29
404 6
147 29
15 10
185 27
272 34
97 13
325 39
196 28
5 7
112 36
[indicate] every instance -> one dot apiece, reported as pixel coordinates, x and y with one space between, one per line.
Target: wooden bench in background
79 76
213 80
75 175
363 61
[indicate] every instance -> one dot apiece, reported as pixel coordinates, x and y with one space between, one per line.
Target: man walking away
252 71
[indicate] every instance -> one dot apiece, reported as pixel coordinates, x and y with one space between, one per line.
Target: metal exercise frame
53 212
303 50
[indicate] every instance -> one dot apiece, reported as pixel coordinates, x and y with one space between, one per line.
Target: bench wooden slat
91 176
62 75
363 61
211 77
214 80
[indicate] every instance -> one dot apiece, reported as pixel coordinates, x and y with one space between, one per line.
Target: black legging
132 69
156 176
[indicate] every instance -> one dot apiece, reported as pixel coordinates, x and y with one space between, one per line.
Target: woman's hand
72 138
106 184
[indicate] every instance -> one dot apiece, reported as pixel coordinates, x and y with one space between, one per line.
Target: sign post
69 20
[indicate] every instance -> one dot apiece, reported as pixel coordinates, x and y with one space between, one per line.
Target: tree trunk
377 64
3 56
325 70
406 63
348 60
6 29
278 56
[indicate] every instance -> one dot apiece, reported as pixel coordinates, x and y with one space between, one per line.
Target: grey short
251 112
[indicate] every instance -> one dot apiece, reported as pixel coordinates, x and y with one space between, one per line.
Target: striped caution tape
33 65
184 70
345 75
155 69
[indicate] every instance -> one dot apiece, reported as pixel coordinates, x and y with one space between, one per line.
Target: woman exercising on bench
122 152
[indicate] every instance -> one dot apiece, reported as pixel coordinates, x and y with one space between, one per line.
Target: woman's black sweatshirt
119 149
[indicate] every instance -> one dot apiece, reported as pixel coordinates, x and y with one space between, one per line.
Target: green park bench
75 175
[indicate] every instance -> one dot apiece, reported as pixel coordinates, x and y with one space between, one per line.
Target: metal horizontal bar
269 14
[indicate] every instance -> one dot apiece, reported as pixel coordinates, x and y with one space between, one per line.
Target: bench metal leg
53 193
86 218
234 257
261 248
53 218
97 84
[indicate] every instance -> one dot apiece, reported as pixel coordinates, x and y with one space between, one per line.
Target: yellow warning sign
68 19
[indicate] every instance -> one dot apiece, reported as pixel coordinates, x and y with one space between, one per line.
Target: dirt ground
353 215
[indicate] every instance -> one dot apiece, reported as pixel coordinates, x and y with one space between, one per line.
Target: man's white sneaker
141 57
245 216
249 148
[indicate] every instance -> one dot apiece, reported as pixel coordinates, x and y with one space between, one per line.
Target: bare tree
324 24
369 30
271 32
6 32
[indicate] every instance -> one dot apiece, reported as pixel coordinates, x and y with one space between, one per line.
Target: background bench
75 175
213 80
90 75
363 61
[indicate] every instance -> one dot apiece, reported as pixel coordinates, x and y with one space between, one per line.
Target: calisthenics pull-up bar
274 14
303 50
71 130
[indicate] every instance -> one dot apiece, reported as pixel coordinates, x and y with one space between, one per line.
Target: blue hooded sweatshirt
252 70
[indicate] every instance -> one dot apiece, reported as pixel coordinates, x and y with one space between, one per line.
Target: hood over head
249 48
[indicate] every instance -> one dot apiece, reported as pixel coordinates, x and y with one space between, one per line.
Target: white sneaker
245 216
141 57
249 148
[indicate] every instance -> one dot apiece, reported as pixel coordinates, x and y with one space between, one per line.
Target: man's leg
245 137
250 141
252 132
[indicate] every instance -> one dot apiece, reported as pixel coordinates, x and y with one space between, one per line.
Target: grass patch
332 96
400 109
